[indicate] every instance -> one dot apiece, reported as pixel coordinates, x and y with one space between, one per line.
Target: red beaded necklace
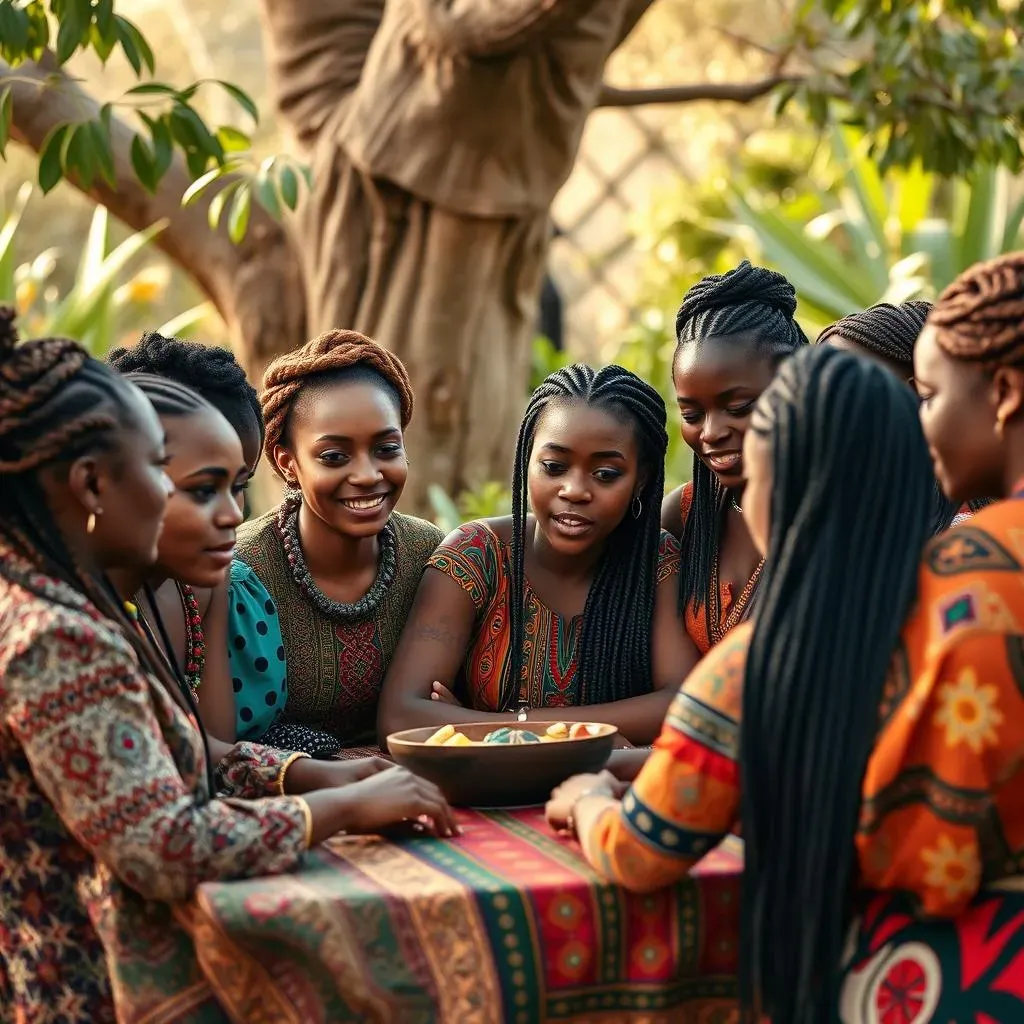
195 639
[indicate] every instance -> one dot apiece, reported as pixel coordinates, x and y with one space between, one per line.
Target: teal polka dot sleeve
256 654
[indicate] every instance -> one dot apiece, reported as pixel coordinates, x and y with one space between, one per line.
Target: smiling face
582 476
717 382
346 453
209 473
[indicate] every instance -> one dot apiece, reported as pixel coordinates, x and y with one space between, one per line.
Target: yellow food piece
458 740
446 732
558 731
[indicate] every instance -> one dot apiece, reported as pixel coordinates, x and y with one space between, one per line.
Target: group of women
185 695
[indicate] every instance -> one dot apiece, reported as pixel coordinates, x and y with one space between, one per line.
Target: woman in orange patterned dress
878 773
732 329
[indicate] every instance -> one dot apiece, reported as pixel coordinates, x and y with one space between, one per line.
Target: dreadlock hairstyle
979 318
323 362
755 307
213 373
57 403
825 629
889 332
615 649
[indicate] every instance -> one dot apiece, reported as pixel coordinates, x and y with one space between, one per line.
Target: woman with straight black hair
878 731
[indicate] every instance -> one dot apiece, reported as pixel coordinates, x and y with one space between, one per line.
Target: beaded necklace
195 639
739 606
287 525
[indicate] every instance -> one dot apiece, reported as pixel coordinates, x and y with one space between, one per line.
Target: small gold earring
1000 427
90 523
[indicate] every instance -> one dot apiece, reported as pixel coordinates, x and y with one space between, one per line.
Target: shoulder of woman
477 534
416 534
717 680
254 533
685 501
669 558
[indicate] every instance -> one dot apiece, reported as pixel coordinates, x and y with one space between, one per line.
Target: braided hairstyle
840 579
615 648
57 404
212 372
979 318
168 397
329 359
748 305
889 332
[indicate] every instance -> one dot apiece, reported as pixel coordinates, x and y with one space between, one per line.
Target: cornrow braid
615 646
212 372
889 332
756 306
168 397
979 318
57 403
885 330
327 359
804 746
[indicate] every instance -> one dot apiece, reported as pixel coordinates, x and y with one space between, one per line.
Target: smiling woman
341 565
567 614
732 332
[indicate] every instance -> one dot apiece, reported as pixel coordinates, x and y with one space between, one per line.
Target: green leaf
8 233
182 325
984 216
195 190
266 188
241 208
99 132
72 30
95 251
6 113
288 183
152 89
242 99
1011 232
143 164
14 29
134 44
78 156
232 140
50 169
104 14
218 202
163 147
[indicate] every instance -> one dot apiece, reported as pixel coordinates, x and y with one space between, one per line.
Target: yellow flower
955 870
969 712
25 295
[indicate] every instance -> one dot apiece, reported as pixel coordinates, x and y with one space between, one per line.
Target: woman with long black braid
110 813
887 333
866 724
732 331
567 612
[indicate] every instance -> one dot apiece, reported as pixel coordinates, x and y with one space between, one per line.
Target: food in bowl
449 736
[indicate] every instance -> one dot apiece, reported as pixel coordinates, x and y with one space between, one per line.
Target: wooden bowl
500 774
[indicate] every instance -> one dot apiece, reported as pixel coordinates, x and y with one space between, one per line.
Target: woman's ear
284 463
86 481
1008 389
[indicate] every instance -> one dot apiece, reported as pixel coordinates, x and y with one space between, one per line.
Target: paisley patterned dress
106 819
940 844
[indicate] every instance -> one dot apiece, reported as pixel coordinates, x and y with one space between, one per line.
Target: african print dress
335 669
106 819
475 558
940 931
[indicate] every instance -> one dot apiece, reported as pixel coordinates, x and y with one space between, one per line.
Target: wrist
289 775
594 791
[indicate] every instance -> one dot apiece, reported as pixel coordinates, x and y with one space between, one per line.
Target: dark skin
973 420
582 478
717 382
346 453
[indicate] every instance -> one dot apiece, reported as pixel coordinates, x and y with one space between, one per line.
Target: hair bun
744 284
8 331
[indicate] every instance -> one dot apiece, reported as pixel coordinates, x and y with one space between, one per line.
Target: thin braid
885 330
979 318
756 306
890 332
615 645
318 359
56 404
804 746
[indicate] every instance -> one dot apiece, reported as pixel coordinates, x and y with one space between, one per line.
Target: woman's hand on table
440 692
395 795
564 797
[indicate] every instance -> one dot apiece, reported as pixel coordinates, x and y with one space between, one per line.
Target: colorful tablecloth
505 923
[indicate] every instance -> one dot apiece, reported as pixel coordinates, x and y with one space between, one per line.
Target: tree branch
237 278
728 92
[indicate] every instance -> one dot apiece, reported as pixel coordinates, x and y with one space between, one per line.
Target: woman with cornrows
563 611
887 333
341 565
732 332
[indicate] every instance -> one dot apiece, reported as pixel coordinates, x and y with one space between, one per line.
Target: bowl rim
401 737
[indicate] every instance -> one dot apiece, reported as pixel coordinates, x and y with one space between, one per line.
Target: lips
366 504
723 462
571 524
